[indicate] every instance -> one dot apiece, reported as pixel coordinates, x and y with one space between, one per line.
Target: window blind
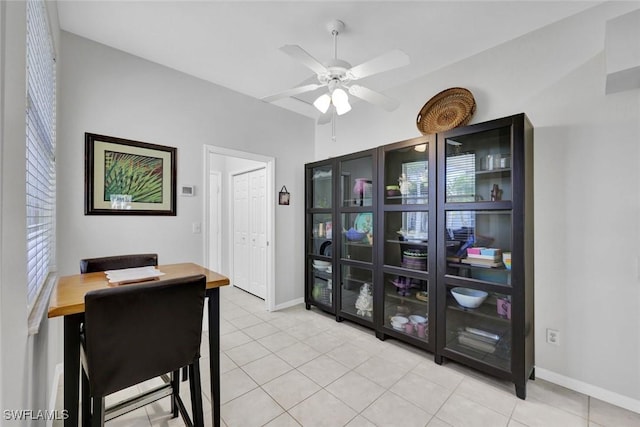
416 173
40 148
461 187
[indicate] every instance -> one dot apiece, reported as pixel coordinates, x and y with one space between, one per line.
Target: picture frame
126 177
283 196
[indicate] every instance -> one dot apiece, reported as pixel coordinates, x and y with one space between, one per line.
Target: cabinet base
533 374
307 306
521 391
438 359
381 336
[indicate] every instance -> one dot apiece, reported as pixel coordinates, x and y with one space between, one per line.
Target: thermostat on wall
188 190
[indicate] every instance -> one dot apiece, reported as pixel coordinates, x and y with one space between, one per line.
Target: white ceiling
235 43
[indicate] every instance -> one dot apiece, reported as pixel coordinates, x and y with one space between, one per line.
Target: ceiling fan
337 76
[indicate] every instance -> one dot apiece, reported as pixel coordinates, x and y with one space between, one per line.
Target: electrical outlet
553 336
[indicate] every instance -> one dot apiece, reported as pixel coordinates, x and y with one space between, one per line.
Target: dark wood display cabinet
430 241
485 248
407 220
319 232
356 250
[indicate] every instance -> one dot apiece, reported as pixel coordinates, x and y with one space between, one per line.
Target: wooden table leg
214 352
72 368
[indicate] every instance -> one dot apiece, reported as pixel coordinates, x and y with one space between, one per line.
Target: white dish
321 263
399 320
469 298
415 319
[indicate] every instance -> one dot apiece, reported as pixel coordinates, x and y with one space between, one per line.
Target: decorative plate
364 222
325 248
449 109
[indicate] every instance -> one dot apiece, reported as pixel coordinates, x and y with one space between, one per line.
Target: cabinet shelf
485 311
493 171
478 267
409 197
359 244
424 243
322 274
411 299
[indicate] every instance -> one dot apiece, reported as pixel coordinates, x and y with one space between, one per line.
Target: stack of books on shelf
483 257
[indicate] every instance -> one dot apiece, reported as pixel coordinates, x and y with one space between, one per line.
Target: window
40 148
417 174
461 184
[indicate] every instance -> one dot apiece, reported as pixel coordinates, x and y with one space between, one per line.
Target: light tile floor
301 368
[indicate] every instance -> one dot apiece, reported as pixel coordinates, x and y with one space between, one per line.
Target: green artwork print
139 176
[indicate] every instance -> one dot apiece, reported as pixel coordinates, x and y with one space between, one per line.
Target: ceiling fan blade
298 53
373 97
385 62
292 92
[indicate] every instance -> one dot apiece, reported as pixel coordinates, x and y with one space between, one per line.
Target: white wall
587 188
27 363
109 92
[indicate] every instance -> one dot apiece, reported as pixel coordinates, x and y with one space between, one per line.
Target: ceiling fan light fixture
343 108
322 103
340 100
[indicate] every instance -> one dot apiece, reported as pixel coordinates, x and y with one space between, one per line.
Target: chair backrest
141 331
117 262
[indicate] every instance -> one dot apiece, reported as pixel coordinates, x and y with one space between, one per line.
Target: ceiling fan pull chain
333 125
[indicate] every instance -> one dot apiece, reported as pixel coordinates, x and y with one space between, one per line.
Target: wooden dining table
67 300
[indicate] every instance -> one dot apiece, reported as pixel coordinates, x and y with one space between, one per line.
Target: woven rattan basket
449 109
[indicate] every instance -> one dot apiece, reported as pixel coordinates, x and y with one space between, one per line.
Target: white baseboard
590 390
57 377
289 304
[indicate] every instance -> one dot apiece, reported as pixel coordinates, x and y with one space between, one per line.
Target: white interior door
241 249
258 233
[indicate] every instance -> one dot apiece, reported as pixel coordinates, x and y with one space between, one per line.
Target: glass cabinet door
478 245
406 239
478 325
356 182
356 292
321 188
357 239
478 167
321 239
406 175
320 236
406 305
321 283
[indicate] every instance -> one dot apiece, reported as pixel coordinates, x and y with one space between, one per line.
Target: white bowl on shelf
321 265
415 319
469 298
398 322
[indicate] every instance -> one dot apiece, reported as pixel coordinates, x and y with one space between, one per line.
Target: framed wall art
124 177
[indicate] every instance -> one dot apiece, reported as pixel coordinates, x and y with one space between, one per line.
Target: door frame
270 164
218 224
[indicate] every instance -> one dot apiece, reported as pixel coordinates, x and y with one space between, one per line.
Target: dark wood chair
137 332
90 265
